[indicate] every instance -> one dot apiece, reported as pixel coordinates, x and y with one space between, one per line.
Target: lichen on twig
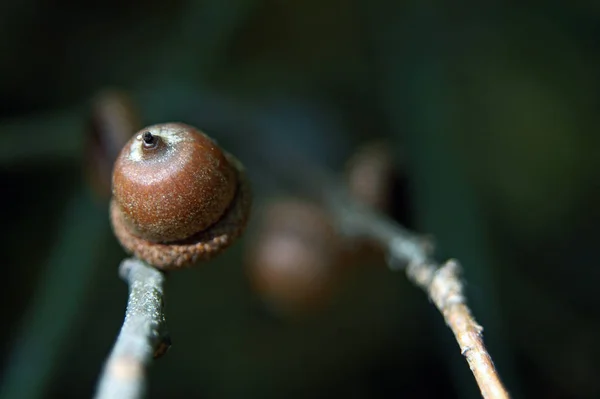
144 327
142 337
442 284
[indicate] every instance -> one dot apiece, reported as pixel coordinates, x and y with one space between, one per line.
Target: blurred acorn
112 121
294 261
376 180
371 175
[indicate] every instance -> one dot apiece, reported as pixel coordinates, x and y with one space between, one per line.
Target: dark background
492 109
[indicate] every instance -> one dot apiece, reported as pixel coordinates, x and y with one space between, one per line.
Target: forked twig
441 283
144 326
142 337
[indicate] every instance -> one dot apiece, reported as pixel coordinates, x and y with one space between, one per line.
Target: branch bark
142 337
442 284
444 288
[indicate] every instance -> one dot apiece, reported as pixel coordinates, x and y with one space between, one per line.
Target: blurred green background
492 109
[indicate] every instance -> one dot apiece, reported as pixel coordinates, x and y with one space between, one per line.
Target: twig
443 286
142 337
441 283
405 250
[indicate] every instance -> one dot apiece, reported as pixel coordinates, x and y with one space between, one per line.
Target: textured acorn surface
201 246
175 188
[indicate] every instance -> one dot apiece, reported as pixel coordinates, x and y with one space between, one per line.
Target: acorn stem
150 140
142 337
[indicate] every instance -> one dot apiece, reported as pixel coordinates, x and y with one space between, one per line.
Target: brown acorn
112 121
177 197
371 175
378 180
293 262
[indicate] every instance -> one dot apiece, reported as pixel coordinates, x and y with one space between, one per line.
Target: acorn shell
174 188
203 245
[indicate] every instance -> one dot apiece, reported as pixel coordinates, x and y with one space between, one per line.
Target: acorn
113 119
294 261
177 197
378 181
371 175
